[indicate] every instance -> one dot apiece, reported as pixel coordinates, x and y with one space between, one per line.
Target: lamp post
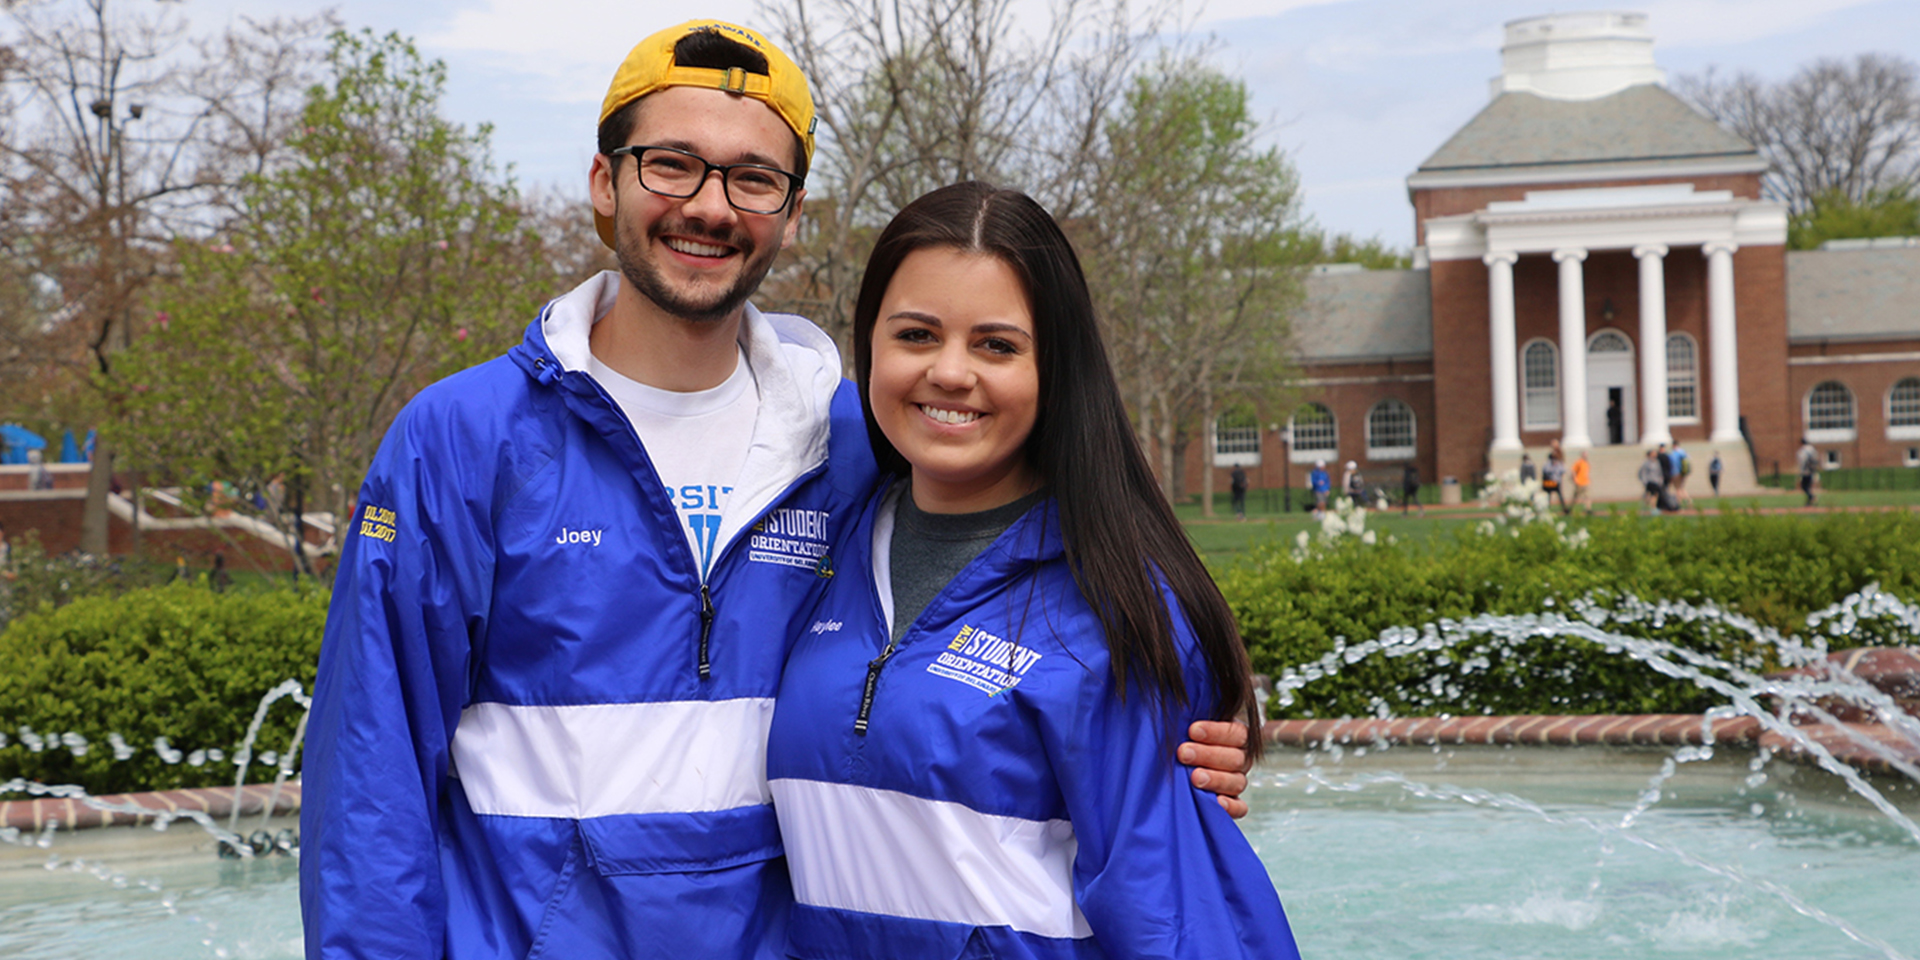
1286 467
115 279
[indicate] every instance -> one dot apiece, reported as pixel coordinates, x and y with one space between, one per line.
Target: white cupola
1577 56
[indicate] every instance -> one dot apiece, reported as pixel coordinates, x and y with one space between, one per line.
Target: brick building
1595 264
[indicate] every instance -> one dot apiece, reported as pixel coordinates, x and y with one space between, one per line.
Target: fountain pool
1416 852
1408 852
134 893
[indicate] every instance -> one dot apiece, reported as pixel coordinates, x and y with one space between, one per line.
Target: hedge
1774 569
179 661
191 665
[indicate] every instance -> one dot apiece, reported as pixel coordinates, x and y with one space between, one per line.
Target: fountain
170 896
1385 835
1863 825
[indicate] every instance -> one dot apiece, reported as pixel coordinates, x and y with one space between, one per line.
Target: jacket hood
795 368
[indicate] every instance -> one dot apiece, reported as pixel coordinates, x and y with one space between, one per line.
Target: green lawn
1223 539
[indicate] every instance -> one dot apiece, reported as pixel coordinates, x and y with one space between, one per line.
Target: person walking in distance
1713 473
1237 484
1809 462
1652 480
1682 468
1553 477
1354 485
1320 483
1582 474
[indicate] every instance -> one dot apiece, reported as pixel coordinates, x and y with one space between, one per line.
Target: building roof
1643 122
1861 294
1361 315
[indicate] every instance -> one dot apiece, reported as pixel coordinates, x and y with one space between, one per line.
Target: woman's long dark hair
1118 529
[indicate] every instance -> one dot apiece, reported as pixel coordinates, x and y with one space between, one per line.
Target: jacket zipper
706 631
873 681
705 660
706 593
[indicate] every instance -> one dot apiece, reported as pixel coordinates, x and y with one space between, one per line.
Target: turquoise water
138 894
1520 855
1407 853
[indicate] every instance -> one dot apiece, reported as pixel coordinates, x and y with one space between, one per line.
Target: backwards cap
650 67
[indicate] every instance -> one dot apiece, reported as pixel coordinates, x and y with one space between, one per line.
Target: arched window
1540 373
1315 434
1236 439
1903 410
1390 431
1609 341
1829 413
1683 380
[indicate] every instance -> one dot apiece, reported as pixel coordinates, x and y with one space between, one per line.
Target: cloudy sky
1359 92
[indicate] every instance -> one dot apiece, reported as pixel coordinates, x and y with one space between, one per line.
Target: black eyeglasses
750 187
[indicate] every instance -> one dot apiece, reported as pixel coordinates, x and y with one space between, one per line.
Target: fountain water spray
1470 645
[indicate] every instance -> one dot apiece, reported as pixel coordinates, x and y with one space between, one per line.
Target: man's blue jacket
536 730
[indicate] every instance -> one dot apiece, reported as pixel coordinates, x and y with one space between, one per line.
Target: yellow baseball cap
650 67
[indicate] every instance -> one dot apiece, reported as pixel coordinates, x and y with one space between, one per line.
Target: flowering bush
1520 503
1343 519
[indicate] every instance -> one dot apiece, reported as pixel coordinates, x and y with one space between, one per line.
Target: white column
1506 374
1653 344
1573 349
1720 341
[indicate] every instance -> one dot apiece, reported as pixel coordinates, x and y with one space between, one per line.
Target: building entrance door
1612 413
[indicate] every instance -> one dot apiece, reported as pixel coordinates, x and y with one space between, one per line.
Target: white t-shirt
698 442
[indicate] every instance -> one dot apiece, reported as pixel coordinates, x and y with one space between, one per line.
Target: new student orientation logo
980 659
792 538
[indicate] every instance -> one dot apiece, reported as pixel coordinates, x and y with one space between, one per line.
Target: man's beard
645 274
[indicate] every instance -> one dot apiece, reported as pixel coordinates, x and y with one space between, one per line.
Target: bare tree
111 150
915 94
247 83
88 171
1846 129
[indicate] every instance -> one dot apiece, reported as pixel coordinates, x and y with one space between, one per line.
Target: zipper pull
866 695
873 680
706 631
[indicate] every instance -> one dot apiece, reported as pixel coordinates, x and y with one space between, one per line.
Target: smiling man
541 717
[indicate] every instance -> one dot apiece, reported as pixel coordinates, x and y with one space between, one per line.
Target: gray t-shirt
930 549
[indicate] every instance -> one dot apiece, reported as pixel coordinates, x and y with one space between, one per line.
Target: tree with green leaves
1893 212
385 252
1372 253
1196 244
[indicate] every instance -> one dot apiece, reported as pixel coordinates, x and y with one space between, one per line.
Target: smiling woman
955 382
972 753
